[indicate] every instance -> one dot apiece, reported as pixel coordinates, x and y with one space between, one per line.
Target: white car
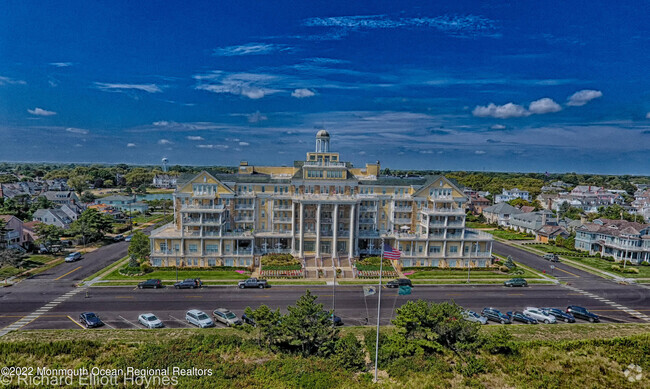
72 257
474 317
150 320
539 315
198 318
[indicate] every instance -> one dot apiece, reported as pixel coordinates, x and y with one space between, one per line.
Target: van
198 318
73 257
551 257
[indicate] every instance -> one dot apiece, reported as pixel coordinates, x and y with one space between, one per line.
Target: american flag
391 253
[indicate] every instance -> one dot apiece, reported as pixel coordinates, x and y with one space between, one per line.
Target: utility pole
381 269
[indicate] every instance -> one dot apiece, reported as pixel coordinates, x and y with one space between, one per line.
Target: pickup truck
252 283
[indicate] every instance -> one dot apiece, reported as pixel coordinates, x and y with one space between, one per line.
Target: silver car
226 317
539 315
150 320
474 317
198 318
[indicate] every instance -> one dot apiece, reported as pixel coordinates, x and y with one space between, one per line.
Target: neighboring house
500 214
59 184
547 233
53 216
641 203
620 239
164 181
66 197
72 210
531 222
29 232
25 188
511 194
14 237
116 214
526 208
123 203
477 204
587 198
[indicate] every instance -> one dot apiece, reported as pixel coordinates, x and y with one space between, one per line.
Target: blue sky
494 86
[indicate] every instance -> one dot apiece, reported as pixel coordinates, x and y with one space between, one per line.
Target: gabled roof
502 208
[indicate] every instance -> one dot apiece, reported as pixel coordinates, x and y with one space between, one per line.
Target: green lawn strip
478 225
598 263
182 274
34 264
509 235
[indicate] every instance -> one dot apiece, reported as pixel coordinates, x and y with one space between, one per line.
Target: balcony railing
245 206
433 211
403 209
363 220
218 207
367 208
191 233
188 220
402 220
212 221
244 219
328 164
281 220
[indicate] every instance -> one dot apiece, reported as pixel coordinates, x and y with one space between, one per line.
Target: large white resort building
318 209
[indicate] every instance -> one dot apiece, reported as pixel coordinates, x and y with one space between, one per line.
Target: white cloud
362 153
256 117
253 86
509 110
244 144
164 142
302 93
583 97
11 81
130 145
77 131
161 123
61 64
195 138
249 49
498 127
108 87
647 115
78 145
219 147
41 112
479 152
544 105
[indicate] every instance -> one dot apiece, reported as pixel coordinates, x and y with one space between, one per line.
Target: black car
248 320
582 313
190 283
560 315
90 320
399 282
521 317
496 315
152 283
333 318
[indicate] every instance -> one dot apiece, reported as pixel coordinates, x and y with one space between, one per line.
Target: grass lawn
598 263
33 263
547 248
509 235
146 219
182 274
478 225
462 273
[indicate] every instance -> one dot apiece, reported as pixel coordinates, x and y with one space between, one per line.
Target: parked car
474 317
540 315
253 283
333 318
516 282
190 283
521 317
118 238
226 317
248 320
128 238
72 257
399 282
90 320
150 320
152 283
496 315
560 315
582 313
198 318
551 257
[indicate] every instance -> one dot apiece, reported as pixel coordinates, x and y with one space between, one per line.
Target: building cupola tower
322 142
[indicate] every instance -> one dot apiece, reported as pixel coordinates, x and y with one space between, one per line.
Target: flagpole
381 270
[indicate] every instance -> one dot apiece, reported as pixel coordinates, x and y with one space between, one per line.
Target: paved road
633 297
120 306
48 301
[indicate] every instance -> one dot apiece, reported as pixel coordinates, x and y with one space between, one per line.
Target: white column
302 229
356 231
271 215
351 248
335 231
318 231
293 228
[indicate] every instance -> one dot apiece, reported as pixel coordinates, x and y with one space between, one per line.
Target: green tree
139 246
10 257
267 328
307 328
48 235
79 182
139 176
91 225
349 353
3 234
436 324
88 197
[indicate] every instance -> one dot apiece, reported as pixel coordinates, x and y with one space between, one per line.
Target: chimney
543 218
